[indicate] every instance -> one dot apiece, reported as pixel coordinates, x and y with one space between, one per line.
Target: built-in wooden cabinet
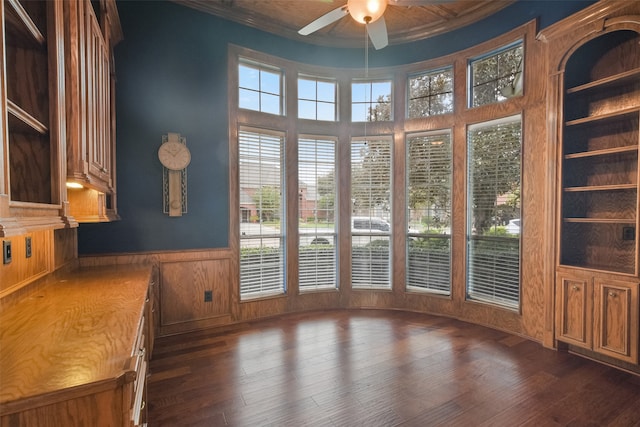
575 309
92 30
75 352
598 313
594 123
615 319
599 164
32 103
57 113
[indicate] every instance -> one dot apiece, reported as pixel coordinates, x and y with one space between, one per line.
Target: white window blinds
261 159
371 213
316 214
429 166
493 244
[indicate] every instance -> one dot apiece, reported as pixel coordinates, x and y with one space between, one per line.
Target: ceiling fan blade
324 20
378 33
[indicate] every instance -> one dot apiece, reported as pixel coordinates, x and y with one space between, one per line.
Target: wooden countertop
78 331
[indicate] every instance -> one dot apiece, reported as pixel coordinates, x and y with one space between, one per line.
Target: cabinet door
616 319
98 100
574 317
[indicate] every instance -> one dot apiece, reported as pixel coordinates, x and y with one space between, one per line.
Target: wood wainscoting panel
65 246
22 270
185 285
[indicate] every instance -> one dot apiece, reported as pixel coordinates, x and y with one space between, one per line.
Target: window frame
429 73
497 301
316 101
437 238
369 104
261 67
511 76
319 233
281 235
374 234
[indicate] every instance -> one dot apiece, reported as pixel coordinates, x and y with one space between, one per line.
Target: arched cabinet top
567 36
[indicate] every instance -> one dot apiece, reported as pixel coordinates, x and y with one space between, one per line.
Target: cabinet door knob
575 287
613 294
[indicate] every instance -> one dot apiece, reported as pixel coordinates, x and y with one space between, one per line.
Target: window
430 93
260 88
494 224
429 168
497 76
316 99
371 101
262 256
371 213
317 214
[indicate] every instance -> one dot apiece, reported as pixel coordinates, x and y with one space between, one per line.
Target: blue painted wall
172 77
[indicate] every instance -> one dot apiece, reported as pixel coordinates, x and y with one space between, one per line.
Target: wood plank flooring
379 368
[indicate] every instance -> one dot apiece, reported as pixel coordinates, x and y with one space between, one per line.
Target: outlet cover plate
208 296
6 251
27 247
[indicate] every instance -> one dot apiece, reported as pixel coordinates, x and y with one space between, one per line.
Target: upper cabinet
32 122
58 114
594 118
92 30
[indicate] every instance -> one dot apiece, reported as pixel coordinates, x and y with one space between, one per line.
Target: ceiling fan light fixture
366 11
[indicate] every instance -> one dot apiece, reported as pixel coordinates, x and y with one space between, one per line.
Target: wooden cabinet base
75 351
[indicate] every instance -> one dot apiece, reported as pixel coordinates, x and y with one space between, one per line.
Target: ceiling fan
368 12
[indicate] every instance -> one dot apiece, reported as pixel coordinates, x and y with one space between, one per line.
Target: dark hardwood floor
379 368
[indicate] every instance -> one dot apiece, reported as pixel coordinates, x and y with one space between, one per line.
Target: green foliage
382 110
430 243
367 190
495 156
259 252
267 199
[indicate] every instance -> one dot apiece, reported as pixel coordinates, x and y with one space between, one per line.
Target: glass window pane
254 82
270 82
431 93
360 92
262 256
327 92
497 77
249 99
317 194
429 175
493 243
326 111
359 112
306 89
380 90
248 77
270 103
371 213
319 93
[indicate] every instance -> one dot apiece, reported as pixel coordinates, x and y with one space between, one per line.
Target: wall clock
175 157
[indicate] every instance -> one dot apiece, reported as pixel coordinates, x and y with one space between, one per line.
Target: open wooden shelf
23 27
603 152
601 188
27 120
620 114
601 220
621 78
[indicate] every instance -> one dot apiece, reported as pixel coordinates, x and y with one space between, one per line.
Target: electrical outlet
208 296
6 251
27 247
628 233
